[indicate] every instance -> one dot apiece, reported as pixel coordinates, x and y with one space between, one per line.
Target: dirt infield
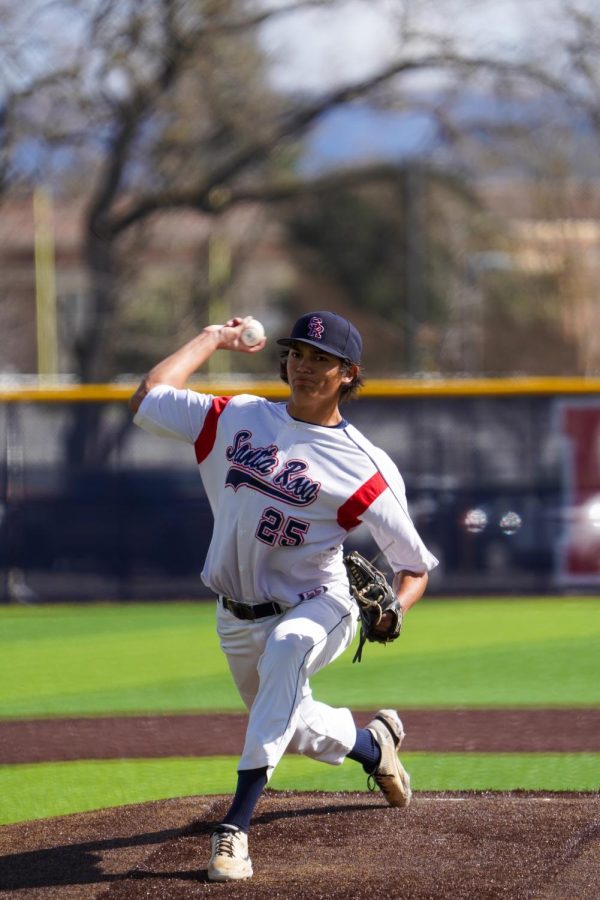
309 846
466 730
313 846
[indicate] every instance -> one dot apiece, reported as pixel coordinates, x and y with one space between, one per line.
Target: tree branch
224 27
292 125
287 190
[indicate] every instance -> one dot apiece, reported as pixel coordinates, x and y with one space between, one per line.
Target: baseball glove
380 612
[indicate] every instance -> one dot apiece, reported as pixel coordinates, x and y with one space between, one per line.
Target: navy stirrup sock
252 782
250 785
366 750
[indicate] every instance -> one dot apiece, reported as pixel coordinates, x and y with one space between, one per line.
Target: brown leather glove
379 610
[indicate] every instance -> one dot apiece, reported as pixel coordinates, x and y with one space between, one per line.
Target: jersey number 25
274 528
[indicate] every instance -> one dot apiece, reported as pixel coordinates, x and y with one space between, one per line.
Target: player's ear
349 372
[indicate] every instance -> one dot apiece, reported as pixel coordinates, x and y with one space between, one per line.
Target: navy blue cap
329 332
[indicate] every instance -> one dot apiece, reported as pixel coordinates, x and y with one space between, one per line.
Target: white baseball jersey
284 495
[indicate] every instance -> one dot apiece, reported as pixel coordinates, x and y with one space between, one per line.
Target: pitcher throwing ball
287 482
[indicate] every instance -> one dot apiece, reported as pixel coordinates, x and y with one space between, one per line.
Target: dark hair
347 391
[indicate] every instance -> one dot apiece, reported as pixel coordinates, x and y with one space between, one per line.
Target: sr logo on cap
329 332
315 328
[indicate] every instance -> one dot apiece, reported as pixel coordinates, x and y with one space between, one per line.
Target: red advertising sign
579 552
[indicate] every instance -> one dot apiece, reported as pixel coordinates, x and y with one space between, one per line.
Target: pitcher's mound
311 846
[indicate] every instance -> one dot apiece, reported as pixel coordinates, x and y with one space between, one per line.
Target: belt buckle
237 609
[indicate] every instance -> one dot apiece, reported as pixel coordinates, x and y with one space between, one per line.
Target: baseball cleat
229 860
390 775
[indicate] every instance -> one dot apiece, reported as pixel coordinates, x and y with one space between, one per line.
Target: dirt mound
312 846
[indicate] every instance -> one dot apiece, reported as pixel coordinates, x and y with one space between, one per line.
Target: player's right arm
177 368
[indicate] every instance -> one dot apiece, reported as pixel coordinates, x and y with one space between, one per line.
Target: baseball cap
329 332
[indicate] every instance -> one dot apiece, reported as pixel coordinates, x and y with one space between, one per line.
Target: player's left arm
407 556
390 524
409 587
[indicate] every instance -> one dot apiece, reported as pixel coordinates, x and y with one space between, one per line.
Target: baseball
253 333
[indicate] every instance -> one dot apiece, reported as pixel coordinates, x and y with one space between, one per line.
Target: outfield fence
502 476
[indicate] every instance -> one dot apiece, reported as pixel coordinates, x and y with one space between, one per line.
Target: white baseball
253 333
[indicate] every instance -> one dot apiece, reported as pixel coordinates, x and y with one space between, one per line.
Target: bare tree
166 105
158 106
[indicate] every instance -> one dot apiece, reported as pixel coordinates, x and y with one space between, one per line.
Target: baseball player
287 482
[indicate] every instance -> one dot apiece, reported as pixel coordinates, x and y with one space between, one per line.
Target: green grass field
152 658
52 789
92 660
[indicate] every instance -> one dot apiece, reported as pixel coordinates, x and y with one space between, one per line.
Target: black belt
250 610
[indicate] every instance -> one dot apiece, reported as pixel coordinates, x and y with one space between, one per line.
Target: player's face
314 374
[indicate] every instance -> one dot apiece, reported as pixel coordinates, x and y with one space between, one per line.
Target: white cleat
229 860
390 775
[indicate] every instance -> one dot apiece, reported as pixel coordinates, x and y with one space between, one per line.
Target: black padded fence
504 488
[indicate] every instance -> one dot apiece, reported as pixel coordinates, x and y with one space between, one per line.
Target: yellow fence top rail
399 387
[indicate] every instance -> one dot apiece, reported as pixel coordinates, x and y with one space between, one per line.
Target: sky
320 47
313 49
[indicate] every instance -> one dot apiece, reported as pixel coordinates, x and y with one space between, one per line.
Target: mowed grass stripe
52 789
165 657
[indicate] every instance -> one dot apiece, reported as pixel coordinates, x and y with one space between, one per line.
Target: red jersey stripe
206 439
349 512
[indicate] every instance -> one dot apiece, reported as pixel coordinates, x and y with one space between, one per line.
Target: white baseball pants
271 661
